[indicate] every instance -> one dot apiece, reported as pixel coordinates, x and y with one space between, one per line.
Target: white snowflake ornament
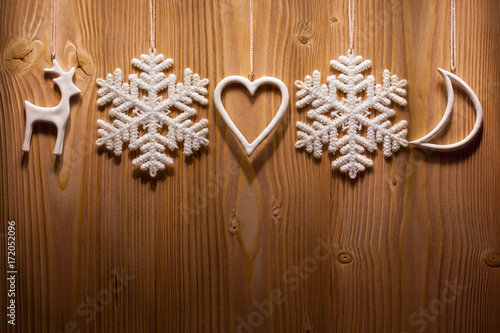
350 113
152 113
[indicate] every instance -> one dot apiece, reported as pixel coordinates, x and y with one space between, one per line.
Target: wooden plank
278 242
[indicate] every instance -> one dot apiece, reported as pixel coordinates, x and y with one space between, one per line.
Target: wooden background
411 245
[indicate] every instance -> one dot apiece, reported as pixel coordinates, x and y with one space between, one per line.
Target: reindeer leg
59 141
27 135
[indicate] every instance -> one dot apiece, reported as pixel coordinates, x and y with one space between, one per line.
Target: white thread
251 76
152 20
53 29
453 36
352 12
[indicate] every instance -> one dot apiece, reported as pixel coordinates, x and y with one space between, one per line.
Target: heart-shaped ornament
252 88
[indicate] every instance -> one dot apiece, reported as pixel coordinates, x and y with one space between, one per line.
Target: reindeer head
65 79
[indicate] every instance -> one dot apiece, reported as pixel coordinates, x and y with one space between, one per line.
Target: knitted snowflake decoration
152 112
350 114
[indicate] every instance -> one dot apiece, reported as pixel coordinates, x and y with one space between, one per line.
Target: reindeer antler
56 69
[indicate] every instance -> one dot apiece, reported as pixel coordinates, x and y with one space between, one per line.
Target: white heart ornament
252 88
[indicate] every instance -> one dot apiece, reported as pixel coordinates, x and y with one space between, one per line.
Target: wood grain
409 246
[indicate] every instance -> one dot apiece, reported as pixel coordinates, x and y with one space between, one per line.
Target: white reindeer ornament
57 115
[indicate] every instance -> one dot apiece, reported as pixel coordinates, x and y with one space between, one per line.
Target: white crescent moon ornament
252 88
423 142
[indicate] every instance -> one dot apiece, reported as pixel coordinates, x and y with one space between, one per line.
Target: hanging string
152 20
52 29
453 36
352 12
251 76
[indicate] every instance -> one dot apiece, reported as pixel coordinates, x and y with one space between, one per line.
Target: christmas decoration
151 113
423 142
351 114
252 87
57 115
448 77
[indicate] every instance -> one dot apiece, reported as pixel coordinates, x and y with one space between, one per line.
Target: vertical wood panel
204 246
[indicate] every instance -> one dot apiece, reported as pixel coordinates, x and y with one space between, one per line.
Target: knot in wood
492 259
303 39
345 258
234 225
